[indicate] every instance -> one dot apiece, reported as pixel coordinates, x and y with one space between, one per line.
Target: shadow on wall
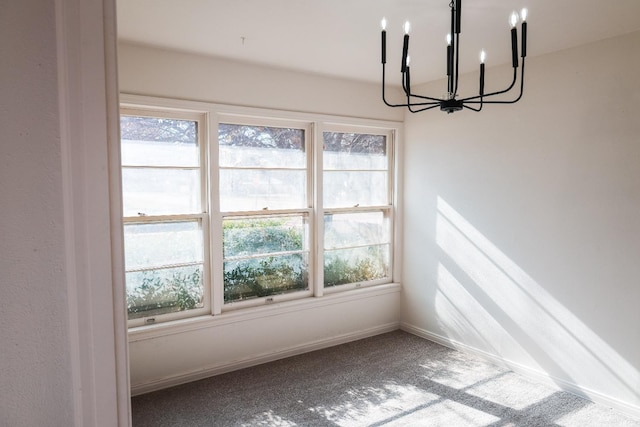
483 297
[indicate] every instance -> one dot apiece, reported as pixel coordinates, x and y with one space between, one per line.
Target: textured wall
523 222
35 373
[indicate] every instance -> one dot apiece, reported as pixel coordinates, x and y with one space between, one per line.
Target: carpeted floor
394 379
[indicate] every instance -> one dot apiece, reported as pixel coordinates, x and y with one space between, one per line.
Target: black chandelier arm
384 99
502 102
477 110
422 104
419 104
435 102
406 86
424 109
432 101
472 99
428 105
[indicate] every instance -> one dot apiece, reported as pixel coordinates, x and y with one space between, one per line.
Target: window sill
141 333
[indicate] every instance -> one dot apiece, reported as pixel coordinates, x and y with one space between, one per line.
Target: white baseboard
221 368
555 382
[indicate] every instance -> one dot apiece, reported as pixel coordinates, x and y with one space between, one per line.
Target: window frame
211 115
307 126
201 217
387 210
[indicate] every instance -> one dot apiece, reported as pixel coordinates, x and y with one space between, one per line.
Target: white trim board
88 105
526 371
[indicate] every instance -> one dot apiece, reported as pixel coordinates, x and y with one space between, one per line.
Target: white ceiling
342 37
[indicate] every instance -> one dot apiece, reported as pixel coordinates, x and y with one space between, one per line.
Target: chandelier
450 104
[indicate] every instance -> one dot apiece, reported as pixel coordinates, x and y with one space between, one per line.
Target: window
264 177
257 210
357 208
164 219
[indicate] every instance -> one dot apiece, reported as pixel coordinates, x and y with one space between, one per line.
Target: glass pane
155 292
162 244
348 189
160 191
355 229
261 277
251 236
261 147
354 151
151 141
355 265
254 189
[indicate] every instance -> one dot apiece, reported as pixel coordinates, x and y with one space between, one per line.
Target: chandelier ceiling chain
450 104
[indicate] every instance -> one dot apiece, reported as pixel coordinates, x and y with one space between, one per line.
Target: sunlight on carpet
401 405
392 379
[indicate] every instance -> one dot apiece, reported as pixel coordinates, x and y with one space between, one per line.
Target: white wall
235 340
523 222
35 372
171 74
63 348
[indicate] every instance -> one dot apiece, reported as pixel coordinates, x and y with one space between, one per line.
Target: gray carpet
394 379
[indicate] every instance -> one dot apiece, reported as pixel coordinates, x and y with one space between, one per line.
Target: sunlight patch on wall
517 308
465 317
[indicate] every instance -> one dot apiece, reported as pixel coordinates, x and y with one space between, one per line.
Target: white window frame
388 209
215 309
202 217
307 127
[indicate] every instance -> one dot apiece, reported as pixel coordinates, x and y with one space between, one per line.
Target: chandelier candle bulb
523 15
482 58
513 19
514 47
449 64
383 24
449 57
405 47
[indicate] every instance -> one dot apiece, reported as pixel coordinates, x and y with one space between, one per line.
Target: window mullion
318 171
215 236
